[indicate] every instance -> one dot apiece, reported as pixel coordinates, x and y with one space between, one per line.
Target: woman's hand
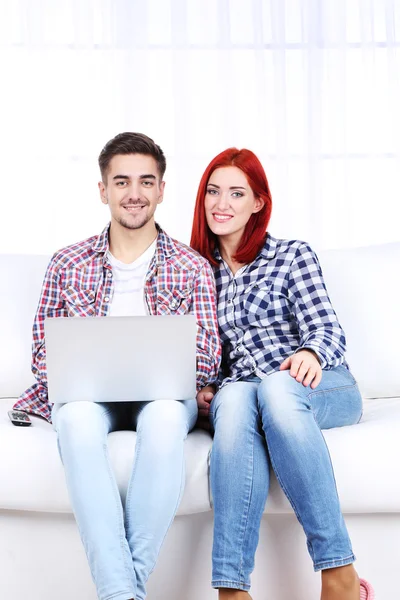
204 397
304 367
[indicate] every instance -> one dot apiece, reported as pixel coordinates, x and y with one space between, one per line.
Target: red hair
203 240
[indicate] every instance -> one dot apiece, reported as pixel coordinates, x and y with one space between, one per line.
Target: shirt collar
165 246
268 251
164 249
100 243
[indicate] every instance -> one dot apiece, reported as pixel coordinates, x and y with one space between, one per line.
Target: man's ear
161 195
258 204
103 195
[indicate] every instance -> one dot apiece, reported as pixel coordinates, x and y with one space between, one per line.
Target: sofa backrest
364 286
22 277
363 283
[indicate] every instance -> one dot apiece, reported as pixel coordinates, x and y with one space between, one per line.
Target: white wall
313 87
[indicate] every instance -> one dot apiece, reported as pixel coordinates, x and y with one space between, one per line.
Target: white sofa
41 557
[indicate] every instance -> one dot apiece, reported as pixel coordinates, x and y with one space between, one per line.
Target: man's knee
164 416
80 419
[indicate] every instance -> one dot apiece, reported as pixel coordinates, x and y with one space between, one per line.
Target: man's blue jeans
122 546
277 421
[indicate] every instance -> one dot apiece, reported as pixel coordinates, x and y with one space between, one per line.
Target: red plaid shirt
79 283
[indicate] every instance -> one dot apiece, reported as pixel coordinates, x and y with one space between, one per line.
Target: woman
283 379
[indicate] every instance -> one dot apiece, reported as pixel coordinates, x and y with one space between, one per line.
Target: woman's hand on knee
304 367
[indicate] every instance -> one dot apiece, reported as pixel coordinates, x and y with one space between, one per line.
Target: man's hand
304 367
204 397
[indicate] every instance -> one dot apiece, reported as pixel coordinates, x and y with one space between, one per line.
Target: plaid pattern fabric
272 308
79 283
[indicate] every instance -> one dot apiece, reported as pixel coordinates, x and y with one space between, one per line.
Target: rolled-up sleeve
318 325
50 305
208 341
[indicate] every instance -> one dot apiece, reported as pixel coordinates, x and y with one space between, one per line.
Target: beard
133 221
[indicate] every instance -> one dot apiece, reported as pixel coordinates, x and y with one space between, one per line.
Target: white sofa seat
44 490
365 482
38 534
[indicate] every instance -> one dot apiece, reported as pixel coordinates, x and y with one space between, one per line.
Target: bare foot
230 594
341 583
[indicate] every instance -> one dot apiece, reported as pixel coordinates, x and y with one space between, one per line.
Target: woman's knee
280 397
235 407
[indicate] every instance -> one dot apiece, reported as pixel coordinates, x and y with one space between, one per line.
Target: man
132 268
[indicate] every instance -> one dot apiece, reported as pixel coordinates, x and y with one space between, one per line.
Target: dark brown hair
131 143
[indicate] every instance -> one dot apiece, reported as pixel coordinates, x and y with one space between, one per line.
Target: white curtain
311 86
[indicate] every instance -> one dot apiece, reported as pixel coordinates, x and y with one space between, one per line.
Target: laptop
121 359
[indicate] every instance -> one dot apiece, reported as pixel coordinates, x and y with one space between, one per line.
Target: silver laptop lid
121 359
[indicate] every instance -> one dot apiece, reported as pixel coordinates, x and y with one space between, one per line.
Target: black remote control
19 418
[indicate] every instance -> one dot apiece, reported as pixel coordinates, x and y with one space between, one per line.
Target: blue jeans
277 421
122 545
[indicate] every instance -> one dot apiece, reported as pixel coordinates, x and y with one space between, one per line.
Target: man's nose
134 190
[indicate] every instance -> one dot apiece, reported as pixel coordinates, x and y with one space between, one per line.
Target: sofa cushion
364 457
364 286
24 275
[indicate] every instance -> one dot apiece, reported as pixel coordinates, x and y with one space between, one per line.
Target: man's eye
121 183
147 183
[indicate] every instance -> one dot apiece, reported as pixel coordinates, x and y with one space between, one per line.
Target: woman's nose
223 202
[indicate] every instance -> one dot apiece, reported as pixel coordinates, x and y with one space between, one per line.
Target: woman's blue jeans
277 421
122 546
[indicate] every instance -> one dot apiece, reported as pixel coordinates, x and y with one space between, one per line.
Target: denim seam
245 518
121 596
181 489
137 454
286 492
334 562
227 583
173 514
116 497
246 511
288 495
334 478
129 492
335 389
122 533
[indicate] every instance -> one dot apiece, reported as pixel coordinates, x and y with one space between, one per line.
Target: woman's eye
212 192
237 194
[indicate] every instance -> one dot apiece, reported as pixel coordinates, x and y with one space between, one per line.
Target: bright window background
311 86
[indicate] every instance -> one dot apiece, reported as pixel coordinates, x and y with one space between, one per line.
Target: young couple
282 379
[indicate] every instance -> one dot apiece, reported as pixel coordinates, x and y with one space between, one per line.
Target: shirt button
106 299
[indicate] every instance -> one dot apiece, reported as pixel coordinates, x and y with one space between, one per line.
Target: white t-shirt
128 299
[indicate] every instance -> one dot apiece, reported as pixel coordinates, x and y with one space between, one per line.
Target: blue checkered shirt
273 307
